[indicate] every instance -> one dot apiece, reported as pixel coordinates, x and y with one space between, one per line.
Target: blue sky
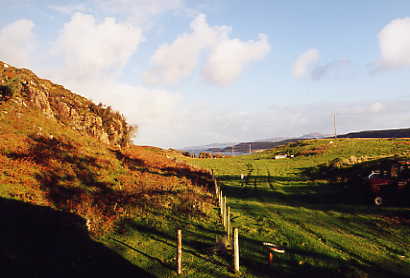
197 72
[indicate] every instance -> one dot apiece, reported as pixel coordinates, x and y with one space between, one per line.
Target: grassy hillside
71 205
327 227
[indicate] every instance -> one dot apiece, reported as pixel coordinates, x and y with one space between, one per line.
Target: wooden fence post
235 250
179 251
221 203
229 225
225 213
270 257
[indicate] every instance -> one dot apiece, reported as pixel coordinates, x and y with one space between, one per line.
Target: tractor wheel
378 200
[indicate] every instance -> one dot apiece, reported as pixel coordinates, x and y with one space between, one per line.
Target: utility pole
232 150
250 148
334 124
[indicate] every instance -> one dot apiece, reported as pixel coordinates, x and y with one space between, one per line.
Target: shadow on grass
196 177
142 253
301 192
131 163
254 259
194 243
38 241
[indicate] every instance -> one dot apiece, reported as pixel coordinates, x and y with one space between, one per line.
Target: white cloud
177 60
88 47
305 63
229 57
16 42
394 42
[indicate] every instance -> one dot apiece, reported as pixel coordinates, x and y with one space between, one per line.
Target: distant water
197 152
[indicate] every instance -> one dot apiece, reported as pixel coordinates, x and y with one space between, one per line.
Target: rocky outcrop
57 103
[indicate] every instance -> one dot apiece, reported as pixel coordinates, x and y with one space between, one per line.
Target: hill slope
66 164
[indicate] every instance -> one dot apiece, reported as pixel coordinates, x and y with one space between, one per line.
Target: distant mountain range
251 146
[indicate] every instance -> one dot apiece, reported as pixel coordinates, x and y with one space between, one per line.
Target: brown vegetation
314 150
49 162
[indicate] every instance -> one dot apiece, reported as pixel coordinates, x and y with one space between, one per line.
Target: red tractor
390 183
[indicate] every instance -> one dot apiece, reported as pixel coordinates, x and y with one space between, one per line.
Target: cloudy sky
203 71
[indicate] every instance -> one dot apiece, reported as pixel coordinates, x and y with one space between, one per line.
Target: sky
197 72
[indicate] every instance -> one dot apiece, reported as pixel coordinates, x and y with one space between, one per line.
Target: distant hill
205 147
386 133
259 145
313 135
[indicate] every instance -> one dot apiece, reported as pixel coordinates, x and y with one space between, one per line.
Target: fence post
235 250
270 257
225 213
229 225
221 203
179 252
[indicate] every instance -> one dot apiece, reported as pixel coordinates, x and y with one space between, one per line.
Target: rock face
59 104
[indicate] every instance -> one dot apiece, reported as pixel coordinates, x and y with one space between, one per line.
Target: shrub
6 92
131 131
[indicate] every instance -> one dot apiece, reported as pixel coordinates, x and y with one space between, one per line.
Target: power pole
250 148
334 124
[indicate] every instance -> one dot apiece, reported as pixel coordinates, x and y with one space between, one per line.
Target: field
327 229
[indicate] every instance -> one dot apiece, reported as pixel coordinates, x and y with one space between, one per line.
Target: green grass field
327 231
